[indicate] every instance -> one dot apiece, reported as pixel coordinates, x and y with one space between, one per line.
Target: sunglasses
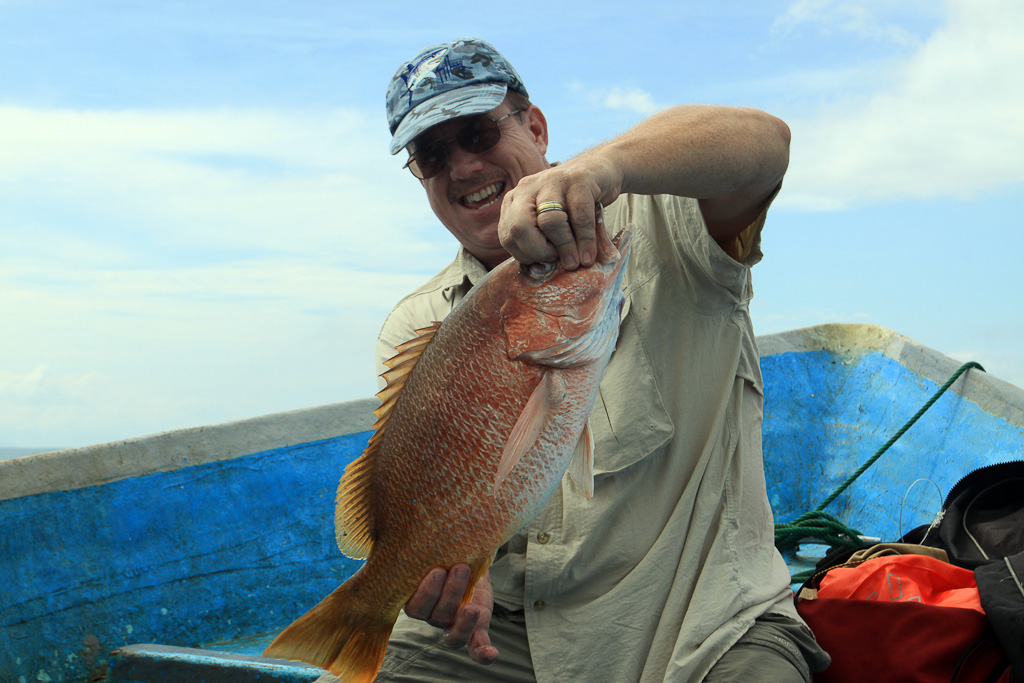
476 137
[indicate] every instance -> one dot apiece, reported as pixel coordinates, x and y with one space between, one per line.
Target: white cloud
863 18
306 184
948 123
39 385
631 100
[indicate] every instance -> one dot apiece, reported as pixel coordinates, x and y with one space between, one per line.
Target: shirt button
538 605
543 537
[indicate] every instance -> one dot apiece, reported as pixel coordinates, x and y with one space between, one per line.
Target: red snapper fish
481 417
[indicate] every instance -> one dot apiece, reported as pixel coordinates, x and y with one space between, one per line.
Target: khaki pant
416 654
775 649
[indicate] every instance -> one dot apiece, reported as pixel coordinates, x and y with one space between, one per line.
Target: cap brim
465 101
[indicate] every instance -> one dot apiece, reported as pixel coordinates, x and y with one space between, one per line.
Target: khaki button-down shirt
673 558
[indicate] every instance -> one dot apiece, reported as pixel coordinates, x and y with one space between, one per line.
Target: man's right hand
575 236
436 601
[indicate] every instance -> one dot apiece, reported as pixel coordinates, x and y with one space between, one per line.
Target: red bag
904 578
886 642
906 618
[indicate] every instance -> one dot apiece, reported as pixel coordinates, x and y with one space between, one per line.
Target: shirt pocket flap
629 420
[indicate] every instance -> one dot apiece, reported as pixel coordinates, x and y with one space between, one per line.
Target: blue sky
200 222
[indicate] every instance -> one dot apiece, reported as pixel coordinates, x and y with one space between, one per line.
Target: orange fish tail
341 634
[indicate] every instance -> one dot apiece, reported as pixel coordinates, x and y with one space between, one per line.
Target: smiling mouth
484 197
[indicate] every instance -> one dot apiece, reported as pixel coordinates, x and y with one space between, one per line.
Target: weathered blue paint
826 414
186 557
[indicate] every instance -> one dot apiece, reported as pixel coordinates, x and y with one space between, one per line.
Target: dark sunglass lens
476 137
429 161
415 168
479 136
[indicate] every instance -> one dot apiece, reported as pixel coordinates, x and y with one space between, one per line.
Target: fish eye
537 271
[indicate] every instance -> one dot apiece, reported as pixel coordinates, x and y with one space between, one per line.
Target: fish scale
469 446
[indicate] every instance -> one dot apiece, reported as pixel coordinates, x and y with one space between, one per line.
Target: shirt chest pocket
629 420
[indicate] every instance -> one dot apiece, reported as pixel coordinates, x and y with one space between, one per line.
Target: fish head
566 318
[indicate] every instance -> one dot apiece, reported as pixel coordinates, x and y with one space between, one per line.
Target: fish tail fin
341 634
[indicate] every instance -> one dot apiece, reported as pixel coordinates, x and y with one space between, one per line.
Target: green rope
817 525
821 526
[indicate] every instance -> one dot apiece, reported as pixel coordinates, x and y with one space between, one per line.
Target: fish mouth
484 196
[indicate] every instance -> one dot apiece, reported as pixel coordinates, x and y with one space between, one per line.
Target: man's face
466 196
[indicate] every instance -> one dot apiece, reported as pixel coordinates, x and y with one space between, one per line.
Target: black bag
981 527
982 519
1002 596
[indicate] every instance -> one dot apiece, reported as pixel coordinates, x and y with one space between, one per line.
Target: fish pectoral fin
581 467
549 392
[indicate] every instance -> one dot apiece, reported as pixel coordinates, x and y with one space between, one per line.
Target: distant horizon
13 453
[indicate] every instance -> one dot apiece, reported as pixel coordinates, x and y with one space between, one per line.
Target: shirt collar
465 271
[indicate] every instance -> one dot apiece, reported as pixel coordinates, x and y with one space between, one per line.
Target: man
669 572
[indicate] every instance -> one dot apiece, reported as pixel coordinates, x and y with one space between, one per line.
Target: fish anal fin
477 569
581 467
549 392
353 514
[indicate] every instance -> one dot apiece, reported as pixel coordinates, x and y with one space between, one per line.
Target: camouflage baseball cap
463 77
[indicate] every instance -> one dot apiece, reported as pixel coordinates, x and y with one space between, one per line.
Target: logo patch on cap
436 63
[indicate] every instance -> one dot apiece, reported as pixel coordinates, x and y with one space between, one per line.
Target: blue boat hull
223 533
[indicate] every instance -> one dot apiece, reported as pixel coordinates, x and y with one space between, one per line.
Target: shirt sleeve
680 242
399 327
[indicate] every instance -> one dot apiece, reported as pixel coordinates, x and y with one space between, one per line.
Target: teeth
481 194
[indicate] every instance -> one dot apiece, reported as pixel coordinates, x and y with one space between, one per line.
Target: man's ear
538 128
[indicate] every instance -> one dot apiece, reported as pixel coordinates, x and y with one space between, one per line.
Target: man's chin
485 234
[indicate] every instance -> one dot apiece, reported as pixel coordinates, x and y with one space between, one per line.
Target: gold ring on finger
550 206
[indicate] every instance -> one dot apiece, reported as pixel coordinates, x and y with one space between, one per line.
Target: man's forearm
730 158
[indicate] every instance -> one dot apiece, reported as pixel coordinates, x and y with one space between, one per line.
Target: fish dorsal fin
549 392
353 516
581 467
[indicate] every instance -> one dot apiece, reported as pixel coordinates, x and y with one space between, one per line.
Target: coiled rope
818 526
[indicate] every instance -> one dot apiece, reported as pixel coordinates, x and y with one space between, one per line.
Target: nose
462 164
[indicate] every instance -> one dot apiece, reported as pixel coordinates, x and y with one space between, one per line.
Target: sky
200 221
